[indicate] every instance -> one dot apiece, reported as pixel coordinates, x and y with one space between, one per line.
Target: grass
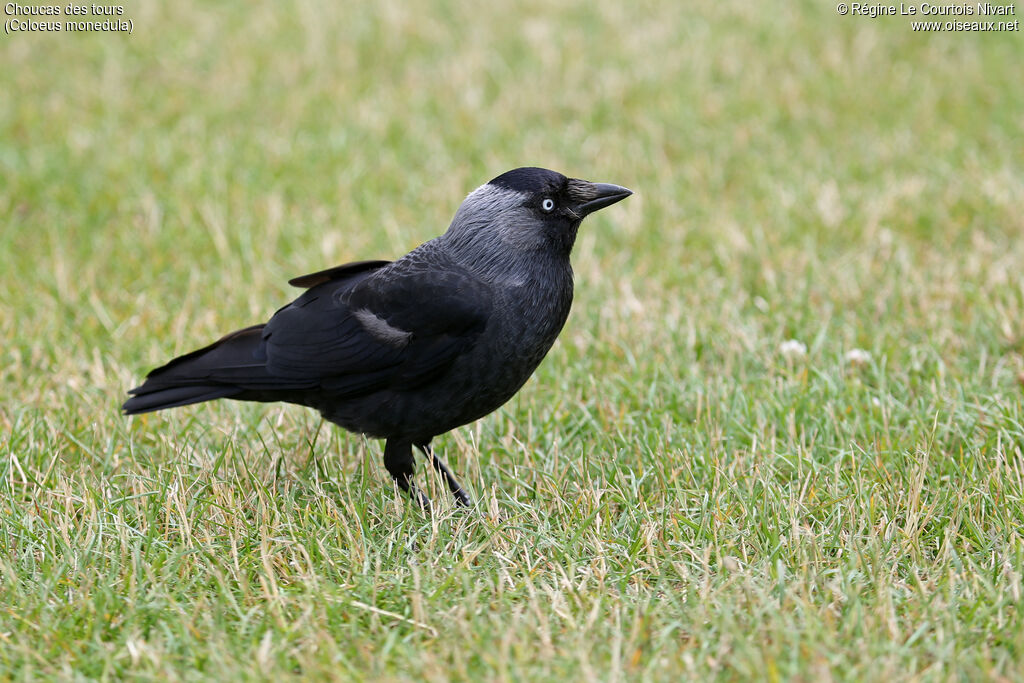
670 496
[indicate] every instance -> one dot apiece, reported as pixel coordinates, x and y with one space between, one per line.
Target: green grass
670 496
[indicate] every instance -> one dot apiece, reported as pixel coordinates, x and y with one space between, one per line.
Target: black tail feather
226 368
174 397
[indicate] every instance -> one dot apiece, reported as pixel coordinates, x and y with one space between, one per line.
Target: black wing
393 327
359 328
342 272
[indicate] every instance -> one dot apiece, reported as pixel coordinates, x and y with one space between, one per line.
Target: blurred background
808 186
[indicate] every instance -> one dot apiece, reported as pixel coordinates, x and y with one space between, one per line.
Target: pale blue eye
548 205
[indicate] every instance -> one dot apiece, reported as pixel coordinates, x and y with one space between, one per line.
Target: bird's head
527 211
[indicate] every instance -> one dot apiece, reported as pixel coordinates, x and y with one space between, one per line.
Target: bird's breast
530 315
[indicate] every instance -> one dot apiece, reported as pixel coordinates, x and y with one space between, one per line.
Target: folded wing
359 328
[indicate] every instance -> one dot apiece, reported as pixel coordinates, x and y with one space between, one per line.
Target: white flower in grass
858 357
792 348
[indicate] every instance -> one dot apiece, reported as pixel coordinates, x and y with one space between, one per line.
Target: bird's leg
400 464
461 497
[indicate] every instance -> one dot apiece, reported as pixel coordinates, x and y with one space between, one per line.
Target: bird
407 350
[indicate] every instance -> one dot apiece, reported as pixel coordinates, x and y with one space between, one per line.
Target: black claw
410 489
418 496
400 464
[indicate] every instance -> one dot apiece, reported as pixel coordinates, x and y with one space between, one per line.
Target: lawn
781 436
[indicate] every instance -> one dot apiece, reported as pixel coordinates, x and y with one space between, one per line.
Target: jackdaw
406 350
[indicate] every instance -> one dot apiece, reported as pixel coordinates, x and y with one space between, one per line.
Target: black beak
600 196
